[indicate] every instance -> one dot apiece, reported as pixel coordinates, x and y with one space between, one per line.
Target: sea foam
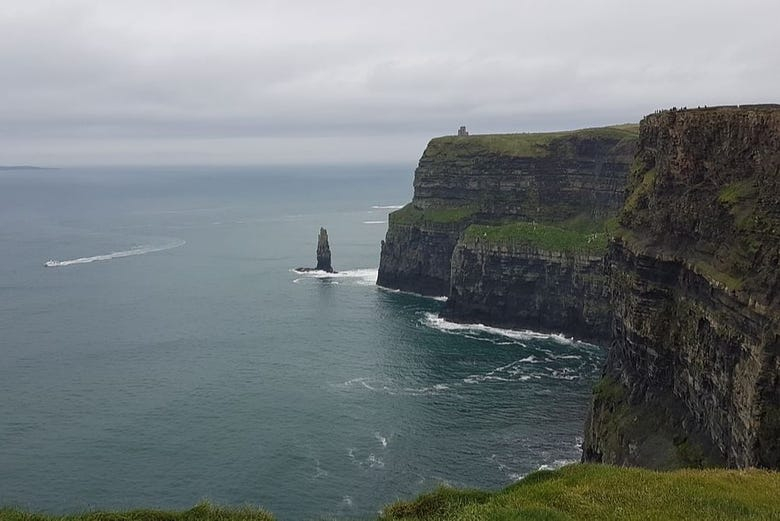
436 322
363 276
140 250
440 298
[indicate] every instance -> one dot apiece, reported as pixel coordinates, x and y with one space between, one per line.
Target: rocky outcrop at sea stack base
323 254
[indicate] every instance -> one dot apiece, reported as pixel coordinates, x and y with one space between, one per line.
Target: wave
388 207
374 222
390 388
364 276
440 298
436 322
555 465
140 250
372 461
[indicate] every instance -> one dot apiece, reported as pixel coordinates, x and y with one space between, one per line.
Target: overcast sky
250 82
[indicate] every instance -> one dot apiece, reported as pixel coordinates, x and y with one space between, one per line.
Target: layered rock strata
493 179
693 372
526 287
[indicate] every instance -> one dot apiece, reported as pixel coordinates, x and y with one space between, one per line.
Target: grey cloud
130 78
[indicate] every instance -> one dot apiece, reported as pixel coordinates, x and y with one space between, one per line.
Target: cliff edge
693 373
482 203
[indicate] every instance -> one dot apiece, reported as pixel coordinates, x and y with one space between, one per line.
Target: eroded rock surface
323 254
490 179
693 372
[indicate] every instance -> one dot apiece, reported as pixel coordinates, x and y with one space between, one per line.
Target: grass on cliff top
410 214
542 236
201 512
602 493
575 492
520 145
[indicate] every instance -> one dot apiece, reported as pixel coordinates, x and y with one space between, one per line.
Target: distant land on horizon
26 167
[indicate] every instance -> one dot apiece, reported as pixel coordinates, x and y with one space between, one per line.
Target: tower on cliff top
462 131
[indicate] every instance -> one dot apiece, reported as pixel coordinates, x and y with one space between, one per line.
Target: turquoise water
172 354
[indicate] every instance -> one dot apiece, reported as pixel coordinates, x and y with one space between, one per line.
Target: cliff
562 177
526 275
693 372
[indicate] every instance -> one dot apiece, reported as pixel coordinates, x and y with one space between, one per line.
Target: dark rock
416 258
323 254
693 374
688 292
573 175
526 288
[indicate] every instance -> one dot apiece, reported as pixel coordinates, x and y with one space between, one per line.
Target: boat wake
140 250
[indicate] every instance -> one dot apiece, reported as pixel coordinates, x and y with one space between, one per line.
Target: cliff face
543 177
686 282
492 179
416 257
525 287
692 375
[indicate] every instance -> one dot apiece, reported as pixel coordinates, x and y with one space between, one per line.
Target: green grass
410 214
542 236
711 272
576 492
596 492
201 512
636 200
737 191
608 389
520 145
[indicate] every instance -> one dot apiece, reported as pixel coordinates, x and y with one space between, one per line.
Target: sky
148 82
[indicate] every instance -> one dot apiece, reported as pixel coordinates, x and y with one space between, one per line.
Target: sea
158 348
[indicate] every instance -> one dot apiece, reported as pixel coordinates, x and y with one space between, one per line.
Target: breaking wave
374 222
388 207
440 298
363 276
140 250
436 322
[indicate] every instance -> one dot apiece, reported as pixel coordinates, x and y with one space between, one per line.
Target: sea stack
323 252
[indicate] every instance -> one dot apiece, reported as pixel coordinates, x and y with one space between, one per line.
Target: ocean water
169 353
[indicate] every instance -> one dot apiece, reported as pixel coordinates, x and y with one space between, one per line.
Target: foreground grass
576 492
596 492
201 512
